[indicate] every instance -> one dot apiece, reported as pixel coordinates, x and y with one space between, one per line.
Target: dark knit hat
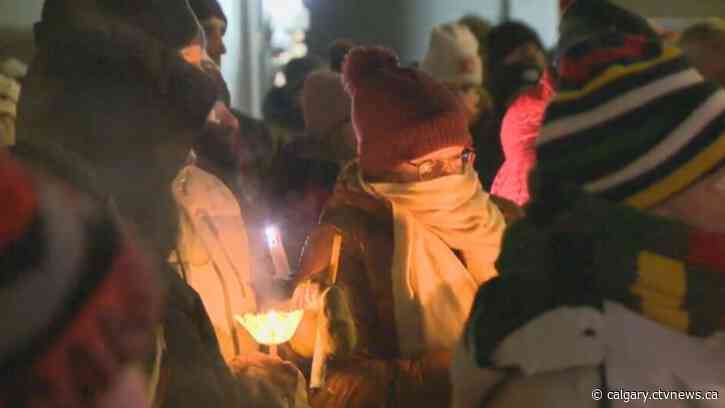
508 36
399 113
633 122
170 21
205 9
78 300
586 17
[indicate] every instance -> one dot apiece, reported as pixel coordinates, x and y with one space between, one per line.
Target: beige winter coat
214 258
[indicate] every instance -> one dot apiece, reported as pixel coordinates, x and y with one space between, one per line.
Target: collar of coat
581 251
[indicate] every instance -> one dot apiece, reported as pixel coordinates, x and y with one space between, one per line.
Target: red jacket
519 130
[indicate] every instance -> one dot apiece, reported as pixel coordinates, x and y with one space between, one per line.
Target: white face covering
454 208
434 286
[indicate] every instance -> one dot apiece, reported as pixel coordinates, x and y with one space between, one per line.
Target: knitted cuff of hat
125 53
446 129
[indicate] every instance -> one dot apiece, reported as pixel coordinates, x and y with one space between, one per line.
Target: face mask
509 80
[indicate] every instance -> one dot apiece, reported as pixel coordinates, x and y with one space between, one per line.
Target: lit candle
271 328
278 254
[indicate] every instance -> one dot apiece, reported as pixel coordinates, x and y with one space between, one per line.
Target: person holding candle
408 236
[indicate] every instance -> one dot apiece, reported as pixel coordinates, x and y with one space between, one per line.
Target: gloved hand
328 315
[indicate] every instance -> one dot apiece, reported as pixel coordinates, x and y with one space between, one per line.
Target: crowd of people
499 225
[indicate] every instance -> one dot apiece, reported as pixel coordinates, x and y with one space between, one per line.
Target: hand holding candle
271 328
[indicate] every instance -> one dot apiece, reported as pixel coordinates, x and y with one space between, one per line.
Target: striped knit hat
77 301
632 122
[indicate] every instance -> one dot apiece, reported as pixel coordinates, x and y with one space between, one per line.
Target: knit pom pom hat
399 113
633 122
581 18
78 302
453 56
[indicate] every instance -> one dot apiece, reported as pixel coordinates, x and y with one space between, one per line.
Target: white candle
278 254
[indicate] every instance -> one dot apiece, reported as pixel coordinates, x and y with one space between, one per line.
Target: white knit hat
14 68
453 56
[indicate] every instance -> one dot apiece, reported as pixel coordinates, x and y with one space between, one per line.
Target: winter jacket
584 283
519 130
213 255
367 370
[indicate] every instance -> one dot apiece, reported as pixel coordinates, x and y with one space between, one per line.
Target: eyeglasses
431 169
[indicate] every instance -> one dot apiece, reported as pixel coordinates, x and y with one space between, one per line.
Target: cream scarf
433 290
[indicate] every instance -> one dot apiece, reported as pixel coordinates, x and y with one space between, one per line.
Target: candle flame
271 328
272 234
